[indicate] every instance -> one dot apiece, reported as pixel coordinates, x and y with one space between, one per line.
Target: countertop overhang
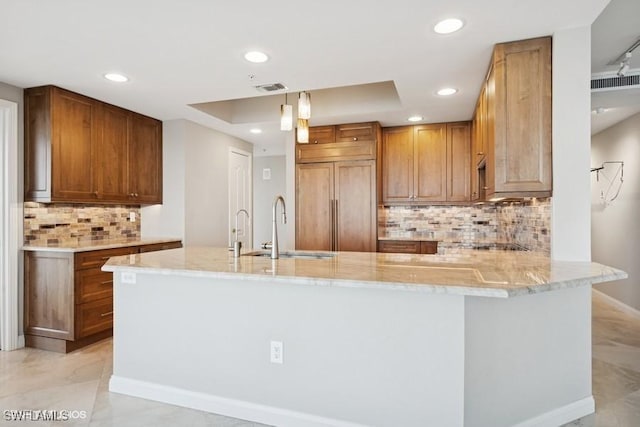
500 274
96 245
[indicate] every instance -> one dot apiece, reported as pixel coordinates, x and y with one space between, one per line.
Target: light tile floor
35 379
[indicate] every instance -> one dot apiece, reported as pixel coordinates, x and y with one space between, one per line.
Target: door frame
10 228
232 219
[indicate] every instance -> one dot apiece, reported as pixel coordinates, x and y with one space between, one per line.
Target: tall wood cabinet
426 163
78 149
512 123
336 200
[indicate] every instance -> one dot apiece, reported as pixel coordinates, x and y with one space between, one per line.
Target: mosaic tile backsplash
58 223
526 224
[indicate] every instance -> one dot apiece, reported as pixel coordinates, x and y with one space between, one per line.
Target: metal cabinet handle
480 153
107 282
355 139
336 225
106 314
104 258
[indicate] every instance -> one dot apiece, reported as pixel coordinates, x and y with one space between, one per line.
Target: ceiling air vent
271 87
614 83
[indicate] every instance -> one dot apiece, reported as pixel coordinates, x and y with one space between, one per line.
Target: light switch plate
132 216
266 174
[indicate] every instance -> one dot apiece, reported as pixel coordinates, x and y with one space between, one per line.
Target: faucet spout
275 252
237 244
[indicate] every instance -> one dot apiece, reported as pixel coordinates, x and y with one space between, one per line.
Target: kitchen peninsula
469 339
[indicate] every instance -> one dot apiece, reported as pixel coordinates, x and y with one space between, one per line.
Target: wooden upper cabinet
397 164
426 163
515 117
458 158
78 149
112 154
145 160
354 141
322 134
429 163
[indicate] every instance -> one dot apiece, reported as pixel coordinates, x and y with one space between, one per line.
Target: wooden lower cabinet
69 299
408 246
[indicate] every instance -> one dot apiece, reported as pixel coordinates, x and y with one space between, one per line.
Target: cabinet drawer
93 317
160 247
93 284
429 247
356 132
398 246
92 259
322 134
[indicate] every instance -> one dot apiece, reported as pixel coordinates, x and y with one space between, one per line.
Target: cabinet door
322 134
145 160
356 132
458 158
487 181
314 206
74 141
355 207
430 163
397 164
523 116
112 154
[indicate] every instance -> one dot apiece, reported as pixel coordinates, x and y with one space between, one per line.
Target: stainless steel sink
294 254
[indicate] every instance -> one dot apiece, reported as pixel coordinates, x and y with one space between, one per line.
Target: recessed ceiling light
256 131
115 77
415 118
446 91
448 26
256 56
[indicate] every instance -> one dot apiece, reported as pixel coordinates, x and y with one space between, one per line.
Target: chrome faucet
237 244
275 252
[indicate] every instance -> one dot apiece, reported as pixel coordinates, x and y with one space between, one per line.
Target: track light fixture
624 65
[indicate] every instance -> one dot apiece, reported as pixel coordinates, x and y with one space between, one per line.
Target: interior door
240 197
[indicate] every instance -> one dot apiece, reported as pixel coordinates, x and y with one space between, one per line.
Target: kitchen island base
352 356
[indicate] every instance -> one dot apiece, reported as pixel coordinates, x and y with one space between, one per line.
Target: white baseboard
21 341
221 405
562 415
627 309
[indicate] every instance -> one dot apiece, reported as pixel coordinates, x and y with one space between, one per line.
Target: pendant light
303 131
286 115
304 105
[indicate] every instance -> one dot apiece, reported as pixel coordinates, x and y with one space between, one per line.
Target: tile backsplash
59 223
526 224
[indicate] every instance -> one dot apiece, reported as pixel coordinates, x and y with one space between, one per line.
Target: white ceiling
182 53
612 33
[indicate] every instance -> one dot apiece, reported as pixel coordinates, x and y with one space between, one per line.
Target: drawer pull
107 282
105 258
106 314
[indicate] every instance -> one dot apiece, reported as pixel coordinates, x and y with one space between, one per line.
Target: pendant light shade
304 105
303 131
286 117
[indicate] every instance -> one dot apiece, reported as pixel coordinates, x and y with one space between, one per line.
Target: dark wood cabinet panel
78 149
357 132
355 206
408 246
322 134
458 158
397 164
93 317
336 206
354 141
145 160
314 206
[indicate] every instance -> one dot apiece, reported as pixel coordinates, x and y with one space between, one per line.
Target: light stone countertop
499 274
95 245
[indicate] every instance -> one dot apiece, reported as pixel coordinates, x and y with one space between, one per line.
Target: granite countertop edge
96 245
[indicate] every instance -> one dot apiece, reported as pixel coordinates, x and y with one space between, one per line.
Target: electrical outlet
132 216
277 352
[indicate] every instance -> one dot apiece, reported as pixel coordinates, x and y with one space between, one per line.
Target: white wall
264 192
571 213
615 229
15 94
195 192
